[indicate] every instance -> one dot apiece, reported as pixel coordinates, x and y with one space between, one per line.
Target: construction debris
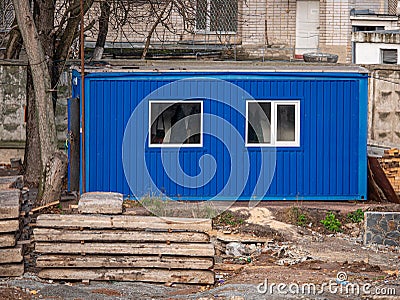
291 256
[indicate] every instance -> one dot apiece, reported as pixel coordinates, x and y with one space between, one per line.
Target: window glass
389 56
175 123
259 123
286 123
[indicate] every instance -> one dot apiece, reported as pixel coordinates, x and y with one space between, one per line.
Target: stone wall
382 228
12 106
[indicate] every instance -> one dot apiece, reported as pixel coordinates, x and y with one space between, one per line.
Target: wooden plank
123 222
65 235
100 261
127 274
382 181
9 270
9 204
7 240
127 248
33 210
9 225
11 255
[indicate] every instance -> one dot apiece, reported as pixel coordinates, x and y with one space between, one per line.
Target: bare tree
105 8
47 42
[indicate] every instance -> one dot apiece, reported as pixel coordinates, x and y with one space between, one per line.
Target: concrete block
9 270
11 255
100 203
7 182
9 204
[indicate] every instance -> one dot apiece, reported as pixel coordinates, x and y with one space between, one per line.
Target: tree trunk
43 103
105 8
32 166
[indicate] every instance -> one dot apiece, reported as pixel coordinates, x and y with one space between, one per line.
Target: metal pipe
82 50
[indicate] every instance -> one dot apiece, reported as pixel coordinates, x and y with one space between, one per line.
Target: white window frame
207 30
274 124
176 145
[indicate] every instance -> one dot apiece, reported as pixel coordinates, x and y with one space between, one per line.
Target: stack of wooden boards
124 248
390 163
11 259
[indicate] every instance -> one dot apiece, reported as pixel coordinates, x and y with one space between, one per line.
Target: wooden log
100 261
8 270
9 204
127 248
65 235
11 255
127 274
123 222
7 240
9 226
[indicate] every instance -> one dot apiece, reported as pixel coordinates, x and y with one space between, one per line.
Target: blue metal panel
330 163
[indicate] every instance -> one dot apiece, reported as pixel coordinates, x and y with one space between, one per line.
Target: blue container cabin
260 132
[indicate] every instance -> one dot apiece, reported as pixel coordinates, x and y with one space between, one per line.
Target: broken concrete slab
7 240
11 255
12 270
100 203
7 182
10 204
9 225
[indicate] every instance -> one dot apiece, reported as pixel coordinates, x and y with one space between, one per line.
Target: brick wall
281 22
335 28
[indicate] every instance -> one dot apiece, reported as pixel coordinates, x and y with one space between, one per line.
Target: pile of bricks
390 163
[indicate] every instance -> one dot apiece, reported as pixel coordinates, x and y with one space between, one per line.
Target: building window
389 56
175 124
217 16
273 123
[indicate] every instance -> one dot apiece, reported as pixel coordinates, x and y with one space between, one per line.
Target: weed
301 220
228 218
331 223
297 216
356 216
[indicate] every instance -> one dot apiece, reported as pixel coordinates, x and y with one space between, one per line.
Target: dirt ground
284 242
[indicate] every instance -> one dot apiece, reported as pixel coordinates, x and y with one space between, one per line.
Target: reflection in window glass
175 123
285 123
259 123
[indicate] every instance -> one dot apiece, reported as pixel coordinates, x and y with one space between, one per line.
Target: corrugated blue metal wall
330 163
